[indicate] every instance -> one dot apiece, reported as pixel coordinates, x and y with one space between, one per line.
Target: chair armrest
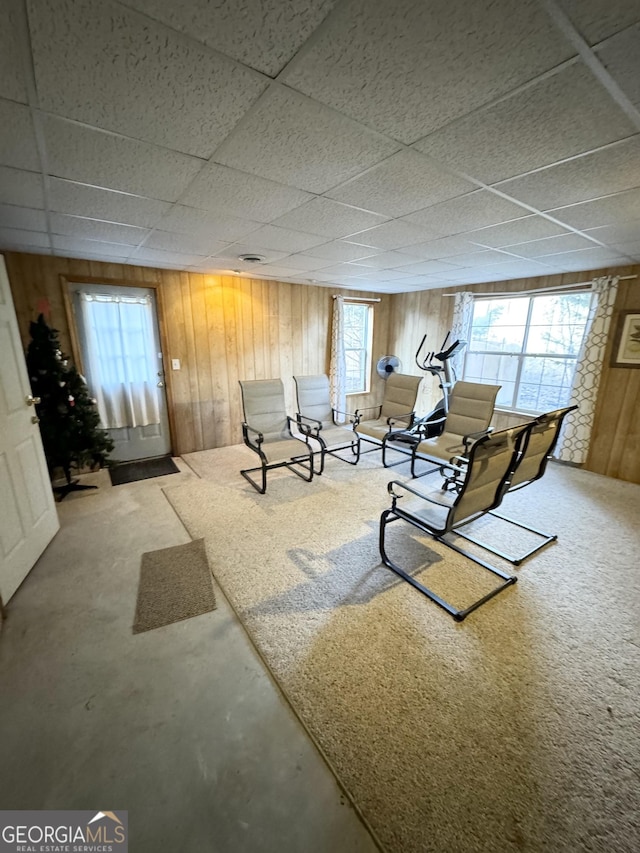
468 440
246 429
405 418
308 425
358 413
351 415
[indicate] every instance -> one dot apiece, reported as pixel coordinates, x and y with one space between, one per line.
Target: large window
358 331
529 345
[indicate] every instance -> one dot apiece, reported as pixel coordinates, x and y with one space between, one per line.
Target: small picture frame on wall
626 344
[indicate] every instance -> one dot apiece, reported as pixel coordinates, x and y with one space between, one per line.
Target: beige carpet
175 584
517 729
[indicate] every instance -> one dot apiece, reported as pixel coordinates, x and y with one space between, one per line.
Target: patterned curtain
574 441
461 324
338 368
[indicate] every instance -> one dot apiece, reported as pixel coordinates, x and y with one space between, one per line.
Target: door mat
175 584
144 469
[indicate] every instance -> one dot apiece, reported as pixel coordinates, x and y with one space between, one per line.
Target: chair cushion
400 392
314 399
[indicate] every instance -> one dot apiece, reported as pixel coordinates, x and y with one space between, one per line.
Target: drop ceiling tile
233 28
609 170
12 45
17 139
275 270
230 255
284 239
383 276
203 223
599 19
609 210
443 247
328 218
519 231
471 211
111 206
428 267
80 248
173 259
120 71
184 243
550 245
289 138
411 72
23 218
231 192
113 162
345 270
615 234
306 263
392 235
89 256
585 259
558 117
512 269
93 229
621 57
631 249
14 238
479 258
387 260
405 182
340 250
21 188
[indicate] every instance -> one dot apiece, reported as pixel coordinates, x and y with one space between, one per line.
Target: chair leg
547 539
397 450
295 460
388 516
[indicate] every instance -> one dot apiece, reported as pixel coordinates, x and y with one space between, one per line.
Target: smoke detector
252 258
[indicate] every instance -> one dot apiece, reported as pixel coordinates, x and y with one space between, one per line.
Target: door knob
35 419
32 401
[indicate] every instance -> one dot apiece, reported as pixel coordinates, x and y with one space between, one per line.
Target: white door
28 517
131 442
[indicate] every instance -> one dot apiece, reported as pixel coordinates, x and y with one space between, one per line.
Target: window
358 331
529 345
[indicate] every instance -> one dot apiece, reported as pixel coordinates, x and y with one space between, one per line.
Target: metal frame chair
318 420
485 480
537 450
395 414
266 429
471 408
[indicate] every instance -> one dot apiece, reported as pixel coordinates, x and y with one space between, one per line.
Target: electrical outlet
175 364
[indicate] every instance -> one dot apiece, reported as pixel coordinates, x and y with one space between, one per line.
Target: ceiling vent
251 258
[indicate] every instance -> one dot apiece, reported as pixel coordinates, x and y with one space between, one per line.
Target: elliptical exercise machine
432 424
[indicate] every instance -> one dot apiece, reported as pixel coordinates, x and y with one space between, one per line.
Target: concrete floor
182 726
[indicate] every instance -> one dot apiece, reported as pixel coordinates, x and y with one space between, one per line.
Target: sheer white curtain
461 324
576 434
338 366
121 366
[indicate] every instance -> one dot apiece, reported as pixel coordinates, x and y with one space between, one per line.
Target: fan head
387 365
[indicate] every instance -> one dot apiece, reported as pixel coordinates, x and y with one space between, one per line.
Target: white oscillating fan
387 365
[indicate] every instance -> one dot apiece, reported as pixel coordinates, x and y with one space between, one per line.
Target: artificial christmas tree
69 419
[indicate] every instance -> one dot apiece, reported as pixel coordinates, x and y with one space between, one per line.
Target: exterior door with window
28 517
121 355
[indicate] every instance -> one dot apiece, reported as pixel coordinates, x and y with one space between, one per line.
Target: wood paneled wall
225 328
222 328
615 445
